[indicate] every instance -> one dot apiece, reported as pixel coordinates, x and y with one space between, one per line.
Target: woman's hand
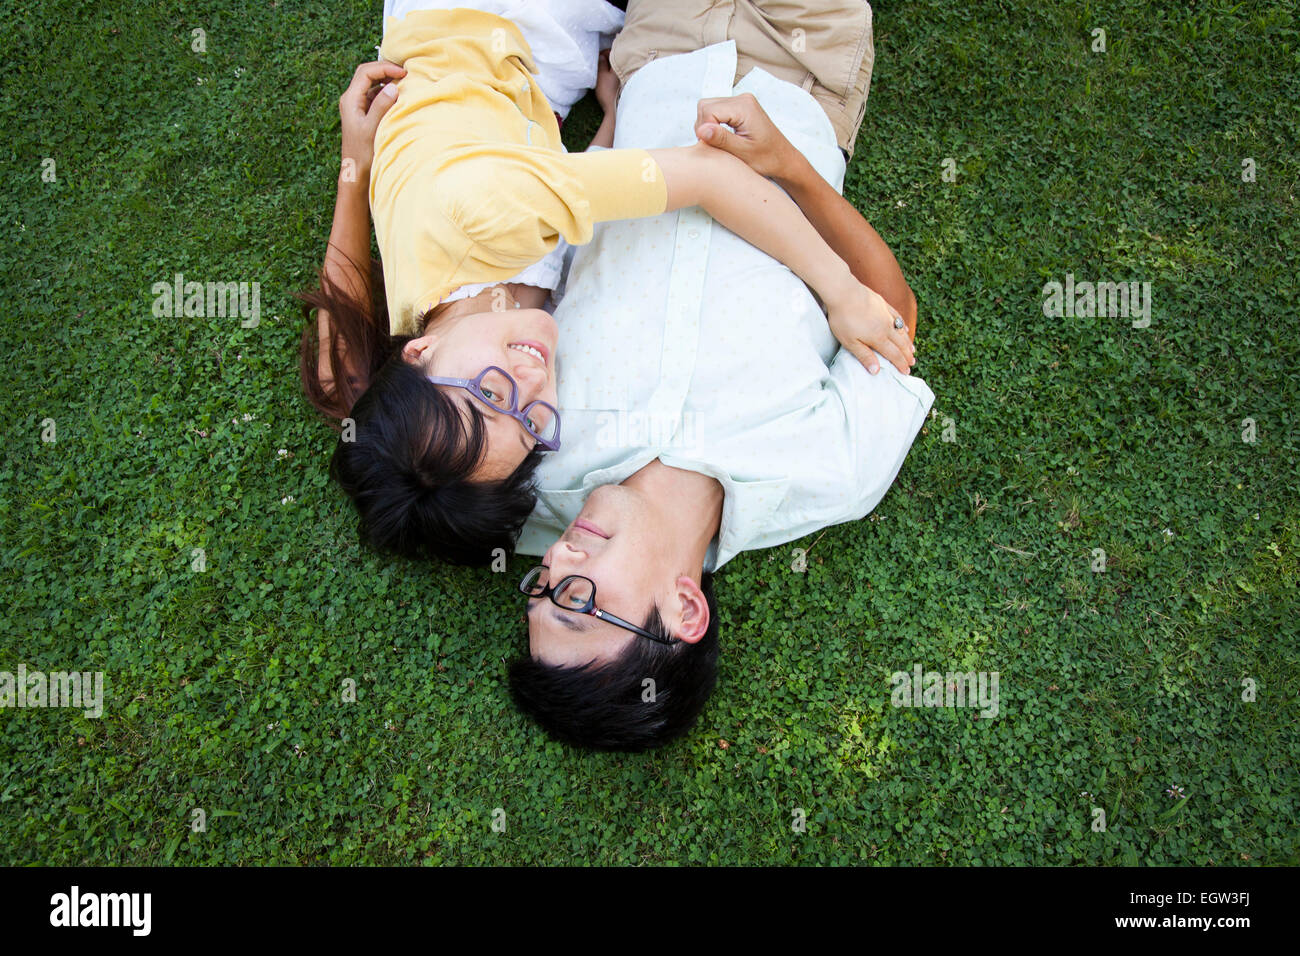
361 107
753 136
862 321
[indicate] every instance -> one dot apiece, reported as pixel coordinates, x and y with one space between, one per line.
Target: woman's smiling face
520 341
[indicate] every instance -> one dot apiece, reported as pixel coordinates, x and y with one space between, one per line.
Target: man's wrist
604 133
796 175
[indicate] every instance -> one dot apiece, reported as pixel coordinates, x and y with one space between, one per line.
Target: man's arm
853 238
607 97
757 211
754 138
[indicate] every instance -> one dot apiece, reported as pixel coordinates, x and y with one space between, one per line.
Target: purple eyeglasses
498 391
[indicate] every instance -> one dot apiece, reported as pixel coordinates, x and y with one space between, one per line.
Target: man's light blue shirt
681 341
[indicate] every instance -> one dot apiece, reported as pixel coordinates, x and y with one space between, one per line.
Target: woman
454 395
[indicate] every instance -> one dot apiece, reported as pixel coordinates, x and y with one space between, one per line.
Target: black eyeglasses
578 595
498 391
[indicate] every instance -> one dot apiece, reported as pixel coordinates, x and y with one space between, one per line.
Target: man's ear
694 610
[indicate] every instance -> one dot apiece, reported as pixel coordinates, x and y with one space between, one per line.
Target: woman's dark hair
408 473
611 706
406 452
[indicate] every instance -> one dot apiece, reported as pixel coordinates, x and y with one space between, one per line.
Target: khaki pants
823 46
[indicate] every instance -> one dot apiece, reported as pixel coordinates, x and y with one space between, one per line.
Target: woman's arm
754 209
347 255
754 138
760 213
347 251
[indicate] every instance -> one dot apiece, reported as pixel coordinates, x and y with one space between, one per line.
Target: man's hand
606 84
862 321
361 107
753 136
607 97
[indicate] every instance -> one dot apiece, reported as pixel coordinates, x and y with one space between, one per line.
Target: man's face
612 542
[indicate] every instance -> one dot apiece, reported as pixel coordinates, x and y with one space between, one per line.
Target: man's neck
689 507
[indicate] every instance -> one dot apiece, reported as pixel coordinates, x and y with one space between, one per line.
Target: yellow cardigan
469 182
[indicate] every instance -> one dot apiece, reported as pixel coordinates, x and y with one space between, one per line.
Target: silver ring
899 323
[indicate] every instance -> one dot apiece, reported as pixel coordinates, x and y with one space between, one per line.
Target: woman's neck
506 295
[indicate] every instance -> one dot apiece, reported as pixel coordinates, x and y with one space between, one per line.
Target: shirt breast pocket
593 393
596 365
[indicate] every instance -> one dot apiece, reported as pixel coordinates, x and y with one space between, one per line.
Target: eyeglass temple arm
606 616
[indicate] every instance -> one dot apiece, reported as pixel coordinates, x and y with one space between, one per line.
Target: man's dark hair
603 706
408 471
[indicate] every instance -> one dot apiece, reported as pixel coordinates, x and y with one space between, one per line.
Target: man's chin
604 506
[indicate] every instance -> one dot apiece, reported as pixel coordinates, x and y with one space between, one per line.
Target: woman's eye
493 397
531 424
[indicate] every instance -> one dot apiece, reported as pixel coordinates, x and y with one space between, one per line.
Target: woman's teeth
529 350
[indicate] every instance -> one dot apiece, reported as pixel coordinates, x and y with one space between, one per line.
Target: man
706 406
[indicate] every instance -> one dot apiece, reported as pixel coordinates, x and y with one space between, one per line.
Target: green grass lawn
1052 437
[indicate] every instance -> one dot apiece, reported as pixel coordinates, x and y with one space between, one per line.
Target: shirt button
693 234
